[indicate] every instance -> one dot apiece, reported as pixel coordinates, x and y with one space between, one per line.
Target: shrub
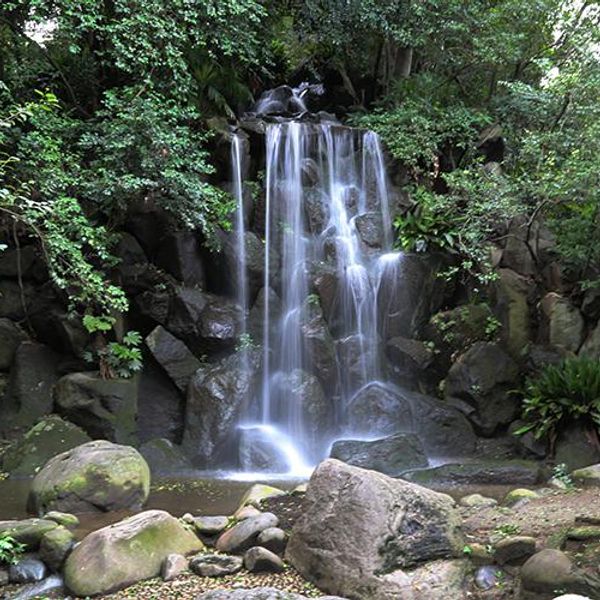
10 549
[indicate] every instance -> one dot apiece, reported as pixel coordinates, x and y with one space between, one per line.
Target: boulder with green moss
259 492
97 476
587 476
119 555
27 531
47 438
518 496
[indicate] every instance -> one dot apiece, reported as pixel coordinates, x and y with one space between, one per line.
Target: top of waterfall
286 100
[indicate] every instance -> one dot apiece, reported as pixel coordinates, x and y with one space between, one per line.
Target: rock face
104 408
116 556
97 476
562 323
11 335
361 531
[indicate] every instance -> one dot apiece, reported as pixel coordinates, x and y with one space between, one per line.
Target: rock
514 550
219 325
55 546
487 578
27 570
11 335
273 539
587 476
65 519
300 489
60 329
243 535
574 448
173 565
399 525
259 451
21 262
173 356
131 550
29 394
210 525
518 496
215 565
47 438
591 346
479 554
246 512
51 585
259 559
320 349
369 227
4 579
550 570
355 353
104 408
477 501
164 457
217 397
590 305
28 531
259 492
480 473
97 476
517 254
11 304
408 358
562 323
392 455
180 254
584 534
483 378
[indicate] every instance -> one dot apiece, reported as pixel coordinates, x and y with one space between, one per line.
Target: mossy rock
588 476
518 495
259 492
584 534
27 531
97 476
119 555
47 438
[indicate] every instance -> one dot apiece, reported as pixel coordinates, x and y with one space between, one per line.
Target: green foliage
560 395
119 359
98 324
245 343
560 472
10 549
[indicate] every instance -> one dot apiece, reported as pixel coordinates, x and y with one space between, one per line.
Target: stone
180 255
131 550
591 345
173 566
55 546
514 550
517 254
259 559
273 539
590 306
562 324
408 358
483 378
216 400
50 585
210 525
480 473
391 456
47 438
215 565
11 335
11 303
19 261
246 512
259 451
61 330
65 519
584 534
550 570
486 577
259 492
27 531
399 526
185 310
103 408
574 448
164 457
173 356
479 554
96 476
320 349
369 227
243 535
4 579
477 501
27 570
300 489
587 476
354 354
518 496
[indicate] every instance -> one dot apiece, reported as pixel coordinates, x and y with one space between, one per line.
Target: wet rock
355 354
173 565
399 525
210 525
65 519
574 448
131 550
408 358
47 438
477 501
215 565
55 546
97 476
256 320
519 496
320 348
370 230
164 457
217 396
259 559
244 535
562 324
273 539
51 585
27 570
316 211
61 330
11 301
27 531
180 255
258 451
587 476
103 408
24 262
173 355
259 492
392 455
11 335
483 378
514 550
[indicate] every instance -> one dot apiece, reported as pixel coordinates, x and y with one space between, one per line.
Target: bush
10 549
562 394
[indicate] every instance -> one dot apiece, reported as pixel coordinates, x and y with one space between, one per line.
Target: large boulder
164 457
180 254
217 397
320 348
104 408
481 380
562 323
47 438
409 359
28 532
11 335
117 556
391 455
367 536
97 476
575 448
591 345
259 451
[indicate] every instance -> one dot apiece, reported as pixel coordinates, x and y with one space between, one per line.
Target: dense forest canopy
105 104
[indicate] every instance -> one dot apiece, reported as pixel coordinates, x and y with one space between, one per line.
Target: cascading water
327 210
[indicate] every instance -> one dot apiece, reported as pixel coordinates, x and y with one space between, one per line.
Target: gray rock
273 539
11 305
55 546
408 358
244 535
27 531
210 525
487 577
391 456
51 585
259 559
370 230
173 565
164 457
103 408
360 529
258 451
27 570
11 335
477 501
257 594
215 565
574 448
591 345
173 355
180 254
514 550
353 353
320 349
4 579
562 324
587 476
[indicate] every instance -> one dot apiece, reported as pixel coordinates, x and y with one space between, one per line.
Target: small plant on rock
10 549
561 474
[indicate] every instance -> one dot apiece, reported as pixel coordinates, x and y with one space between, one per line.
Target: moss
516 495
